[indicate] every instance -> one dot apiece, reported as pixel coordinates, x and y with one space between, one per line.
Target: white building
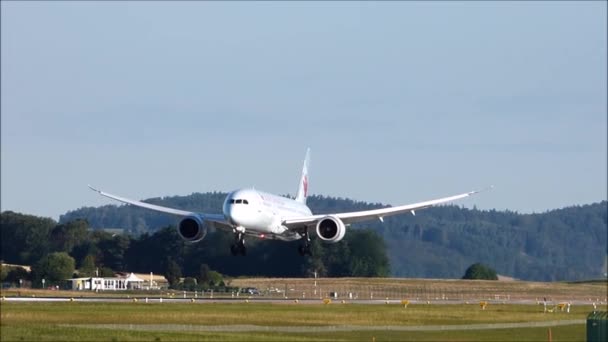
131 282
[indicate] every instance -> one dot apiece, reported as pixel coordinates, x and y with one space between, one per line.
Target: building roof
25 267
130 278
133 277
146 277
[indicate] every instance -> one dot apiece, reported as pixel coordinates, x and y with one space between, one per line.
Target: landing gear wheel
305 250
238 249
239 245
234 249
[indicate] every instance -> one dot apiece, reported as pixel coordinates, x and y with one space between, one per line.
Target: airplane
250 212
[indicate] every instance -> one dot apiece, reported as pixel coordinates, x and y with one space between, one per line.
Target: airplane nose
235 216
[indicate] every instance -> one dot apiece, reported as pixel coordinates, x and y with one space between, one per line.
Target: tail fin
303 186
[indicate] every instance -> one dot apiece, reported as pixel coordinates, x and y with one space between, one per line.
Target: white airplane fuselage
261 213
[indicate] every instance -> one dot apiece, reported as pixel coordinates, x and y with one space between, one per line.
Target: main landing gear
238 248
304 249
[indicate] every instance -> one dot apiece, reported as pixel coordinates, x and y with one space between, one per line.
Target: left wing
358 216
217 219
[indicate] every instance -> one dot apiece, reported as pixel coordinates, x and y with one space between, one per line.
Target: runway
276 301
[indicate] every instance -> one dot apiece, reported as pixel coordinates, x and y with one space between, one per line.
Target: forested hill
441 242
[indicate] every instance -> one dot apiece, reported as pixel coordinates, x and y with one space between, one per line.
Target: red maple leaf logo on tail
305 185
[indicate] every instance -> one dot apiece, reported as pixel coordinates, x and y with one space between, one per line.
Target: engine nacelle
330 229
192 228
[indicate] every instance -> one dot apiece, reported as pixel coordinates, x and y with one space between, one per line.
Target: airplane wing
358 216
218 219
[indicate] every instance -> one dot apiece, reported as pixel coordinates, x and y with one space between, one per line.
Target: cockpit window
245 201
232 201
239 201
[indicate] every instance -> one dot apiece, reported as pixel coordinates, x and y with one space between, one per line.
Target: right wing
217 219
365 215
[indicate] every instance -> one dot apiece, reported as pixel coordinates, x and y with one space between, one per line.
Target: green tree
3 272
215 278
65 237
106 272
55 268
149 253
315 262
87 247
480 271
113 249
87 269
173 273
370 259
440 242
25 238
203 274
189 284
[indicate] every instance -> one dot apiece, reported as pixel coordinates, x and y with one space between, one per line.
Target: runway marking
316 329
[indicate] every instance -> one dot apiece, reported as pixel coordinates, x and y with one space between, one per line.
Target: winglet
92 188
484 189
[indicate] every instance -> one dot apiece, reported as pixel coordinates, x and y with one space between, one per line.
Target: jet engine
192 228
330 229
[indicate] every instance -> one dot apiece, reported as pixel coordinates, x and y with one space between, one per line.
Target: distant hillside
441 242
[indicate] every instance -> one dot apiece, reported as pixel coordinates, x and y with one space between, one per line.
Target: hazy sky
399 101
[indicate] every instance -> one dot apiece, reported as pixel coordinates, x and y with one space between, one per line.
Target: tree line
58 251
440 242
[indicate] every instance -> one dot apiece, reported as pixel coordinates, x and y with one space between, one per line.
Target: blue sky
399 101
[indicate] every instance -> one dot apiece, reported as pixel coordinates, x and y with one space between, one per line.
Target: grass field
430 289
50 333
80 321
288 321
378 288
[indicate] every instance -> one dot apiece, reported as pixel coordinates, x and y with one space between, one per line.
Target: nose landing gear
238 248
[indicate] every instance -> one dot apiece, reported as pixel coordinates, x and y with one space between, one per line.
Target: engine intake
330 229
192 228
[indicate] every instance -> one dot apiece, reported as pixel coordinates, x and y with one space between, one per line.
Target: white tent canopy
133 278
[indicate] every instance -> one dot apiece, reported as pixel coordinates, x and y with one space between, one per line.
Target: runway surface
272 301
